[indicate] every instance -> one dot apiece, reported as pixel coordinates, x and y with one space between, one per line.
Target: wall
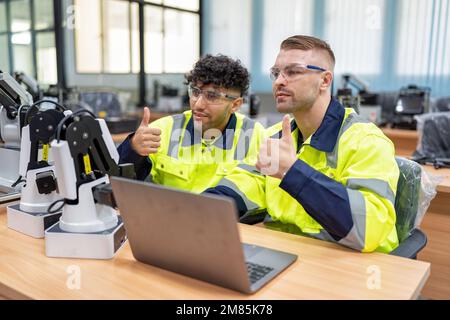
387 43
127 82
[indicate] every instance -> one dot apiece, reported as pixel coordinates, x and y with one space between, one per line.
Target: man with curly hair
196 149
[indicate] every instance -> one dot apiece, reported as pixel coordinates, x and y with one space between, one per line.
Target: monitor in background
412 100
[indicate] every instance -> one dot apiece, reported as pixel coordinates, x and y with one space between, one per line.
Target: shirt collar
225 141
325 137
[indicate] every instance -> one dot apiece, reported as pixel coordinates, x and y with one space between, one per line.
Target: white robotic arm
85 156
36 171
32 86
14 101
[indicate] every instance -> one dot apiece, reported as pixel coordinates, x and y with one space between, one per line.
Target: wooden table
444 185
118 138
405 141
436 225
323 271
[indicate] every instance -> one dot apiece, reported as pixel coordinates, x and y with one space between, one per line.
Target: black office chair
442 104
411 239
435 142
253 217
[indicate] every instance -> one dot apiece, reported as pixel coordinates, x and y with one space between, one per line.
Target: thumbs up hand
276 156
146 140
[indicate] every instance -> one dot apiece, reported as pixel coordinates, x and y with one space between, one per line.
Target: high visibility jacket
188 162
342 187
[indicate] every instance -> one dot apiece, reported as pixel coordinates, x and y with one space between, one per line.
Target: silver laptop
195 235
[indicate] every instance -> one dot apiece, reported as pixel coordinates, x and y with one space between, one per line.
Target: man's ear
327 79
236 105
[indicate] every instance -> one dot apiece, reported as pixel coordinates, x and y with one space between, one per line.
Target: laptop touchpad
250 250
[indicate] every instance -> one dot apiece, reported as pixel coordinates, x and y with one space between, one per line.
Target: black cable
49 210
50 101
60 106
61 124
19 180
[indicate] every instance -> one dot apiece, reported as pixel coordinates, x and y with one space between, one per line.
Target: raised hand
146 140
276 156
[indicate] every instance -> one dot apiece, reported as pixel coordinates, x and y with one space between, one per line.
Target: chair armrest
253 217
412 245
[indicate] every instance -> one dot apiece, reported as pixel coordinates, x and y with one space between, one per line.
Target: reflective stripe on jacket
186 161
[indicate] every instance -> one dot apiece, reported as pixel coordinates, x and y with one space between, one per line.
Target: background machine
364 102
412 100
14 102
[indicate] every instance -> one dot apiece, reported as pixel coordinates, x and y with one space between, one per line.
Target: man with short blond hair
327 173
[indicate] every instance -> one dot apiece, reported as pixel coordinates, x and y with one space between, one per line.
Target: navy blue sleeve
142 165
323 198
228 192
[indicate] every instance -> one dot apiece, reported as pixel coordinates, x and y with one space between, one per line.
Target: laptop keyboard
257 271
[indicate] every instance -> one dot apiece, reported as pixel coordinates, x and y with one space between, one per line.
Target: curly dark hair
220 70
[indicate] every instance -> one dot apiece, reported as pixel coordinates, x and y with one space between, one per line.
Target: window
230 29
107 36
355 30
4 53
25 33
387 43
424 38
192 5
181 33
46 56
135 61
46 68
281 20
88 36
22 52
167 33
43 14
21 36
3 22
20 15
153 39
116 36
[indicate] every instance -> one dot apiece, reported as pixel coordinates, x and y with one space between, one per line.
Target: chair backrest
442 104
436 136
407 198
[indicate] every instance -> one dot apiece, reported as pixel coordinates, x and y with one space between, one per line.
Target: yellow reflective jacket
188 162
342 187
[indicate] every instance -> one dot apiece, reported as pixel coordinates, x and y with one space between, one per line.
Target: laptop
195 235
